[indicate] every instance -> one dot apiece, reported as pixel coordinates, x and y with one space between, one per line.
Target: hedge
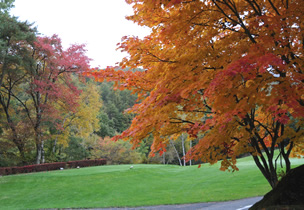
86 163
50 166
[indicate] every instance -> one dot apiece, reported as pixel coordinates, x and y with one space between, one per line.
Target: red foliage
50 166
52 77
86 163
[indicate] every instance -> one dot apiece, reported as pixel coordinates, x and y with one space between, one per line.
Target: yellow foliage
83 120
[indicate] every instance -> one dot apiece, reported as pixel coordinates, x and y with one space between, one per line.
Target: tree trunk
190 161
264 157
183 146
19 144
179 160
54 146
42 152
40 157
38 133
38 153
21 151
271 176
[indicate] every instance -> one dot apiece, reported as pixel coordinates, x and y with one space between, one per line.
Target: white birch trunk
179 160
183 146
190 161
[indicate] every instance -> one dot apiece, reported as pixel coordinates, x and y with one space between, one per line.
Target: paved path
242 204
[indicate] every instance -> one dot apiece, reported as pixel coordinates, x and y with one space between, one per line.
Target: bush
28 169
86 163
55 166
6 171
51 166
40 167
2 171
100 162
72 164
17 170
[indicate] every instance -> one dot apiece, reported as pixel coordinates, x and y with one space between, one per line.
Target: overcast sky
99 24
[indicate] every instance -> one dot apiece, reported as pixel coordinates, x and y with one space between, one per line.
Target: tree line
49 111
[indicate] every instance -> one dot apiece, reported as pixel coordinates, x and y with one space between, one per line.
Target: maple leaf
51 89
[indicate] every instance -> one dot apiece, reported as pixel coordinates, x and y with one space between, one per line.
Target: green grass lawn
120 186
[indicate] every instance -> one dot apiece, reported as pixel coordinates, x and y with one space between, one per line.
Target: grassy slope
108 186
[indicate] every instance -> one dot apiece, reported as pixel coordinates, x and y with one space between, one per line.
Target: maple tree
40 89
229 72
50 82
39 98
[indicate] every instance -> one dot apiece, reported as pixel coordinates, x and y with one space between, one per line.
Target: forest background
49 112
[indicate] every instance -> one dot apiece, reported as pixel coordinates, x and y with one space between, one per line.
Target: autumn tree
77 124
37 93
119 152
50 83
229 72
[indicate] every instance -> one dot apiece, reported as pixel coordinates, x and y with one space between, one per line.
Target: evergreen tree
113 118
16 42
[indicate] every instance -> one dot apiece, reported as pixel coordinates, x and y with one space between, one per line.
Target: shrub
17 170
55 166
28 168
5 171
72 164
40 167
51 166
86 163
99 162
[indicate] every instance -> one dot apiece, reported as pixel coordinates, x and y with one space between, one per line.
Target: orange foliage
227 72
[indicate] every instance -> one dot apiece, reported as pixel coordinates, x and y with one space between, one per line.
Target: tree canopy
228 72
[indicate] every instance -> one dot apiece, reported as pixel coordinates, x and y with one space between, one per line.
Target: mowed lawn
120 186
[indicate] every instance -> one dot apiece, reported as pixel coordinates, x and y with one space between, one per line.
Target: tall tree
234 69
50 83
16 41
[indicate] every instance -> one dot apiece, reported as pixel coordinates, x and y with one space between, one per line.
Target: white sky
99 24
